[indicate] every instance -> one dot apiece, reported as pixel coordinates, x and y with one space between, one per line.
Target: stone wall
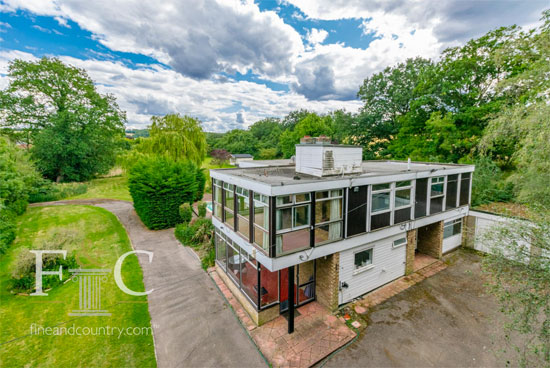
430 239
411 246
327 279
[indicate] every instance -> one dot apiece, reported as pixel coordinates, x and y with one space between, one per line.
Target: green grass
115 187
101 240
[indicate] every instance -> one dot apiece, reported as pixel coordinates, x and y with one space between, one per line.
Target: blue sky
230 62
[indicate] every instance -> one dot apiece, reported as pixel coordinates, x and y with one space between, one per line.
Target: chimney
317 156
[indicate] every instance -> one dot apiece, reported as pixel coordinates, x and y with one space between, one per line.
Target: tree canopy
73 131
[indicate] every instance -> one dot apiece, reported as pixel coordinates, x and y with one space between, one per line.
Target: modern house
237 158
331 227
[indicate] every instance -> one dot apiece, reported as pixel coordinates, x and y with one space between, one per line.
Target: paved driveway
192 324
446 320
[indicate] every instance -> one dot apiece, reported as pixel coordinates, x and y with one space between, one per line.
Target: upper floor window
328 216
402 201
261 221
229 208
217 198
437 194
380 206
243 212
292 221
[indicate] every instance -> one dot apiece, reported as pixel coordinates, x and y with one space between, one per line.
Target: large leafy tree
312 125
238 141
176 137
74 131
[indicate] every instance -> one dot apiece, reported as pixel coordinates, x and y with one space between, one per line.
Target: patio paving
317 332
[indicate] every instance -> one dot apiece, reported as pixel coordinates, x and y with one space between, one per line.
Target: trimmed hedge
186 213
159 186
201 208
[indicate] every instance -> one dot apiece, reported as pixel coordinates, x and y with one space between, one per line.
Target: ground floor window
363 259
262 287
452 228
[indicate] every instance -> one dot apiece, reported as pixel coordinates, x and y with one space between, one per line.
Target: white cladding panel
388 263
452 242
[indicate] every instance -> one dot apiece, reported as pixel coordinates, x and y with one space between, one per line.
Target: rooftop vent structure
319 157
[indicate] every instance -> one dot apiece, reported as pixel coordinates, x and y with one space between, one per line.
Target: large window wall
243 212
229 204
328 216
217 198
261 221
292 223
262 287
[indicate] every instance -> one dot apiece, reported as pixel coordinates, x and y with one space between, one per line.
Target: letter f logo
39 271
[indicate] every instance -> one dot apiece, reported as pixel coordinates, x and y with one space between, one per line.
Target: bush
201 181
158 187
7 228
184 233
201 207
186 213
48 191
200 236
23 273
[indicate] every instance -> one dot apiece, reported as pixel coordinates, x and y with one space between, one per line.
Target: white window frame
370 266
293 205
400 244
451 223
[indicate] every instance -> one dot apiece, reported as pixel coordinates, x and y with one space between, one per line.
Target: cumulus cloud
449 21
315 36
144 92
197 38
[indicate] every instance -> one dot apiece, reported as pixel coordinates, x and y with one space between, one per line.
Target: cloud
316 36
449 21
197 38
4 27
155 90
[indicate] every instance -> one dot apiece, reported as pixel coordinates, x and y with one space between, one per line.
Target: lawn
98 239
207 165
115 187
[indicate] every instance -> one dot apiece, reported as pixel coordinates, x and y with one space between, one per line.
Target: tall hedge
159 186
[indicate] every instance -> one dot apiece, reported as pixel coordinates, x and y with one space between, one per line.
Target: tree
519 276
176 137
267 132
312 125
238 141
220 156
75 132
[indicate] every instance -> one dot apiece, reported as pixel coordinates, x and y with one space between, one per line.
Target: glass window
452 228
301 216
261 238
217 196
261 215
269 290
261 198
283 218
399 242
328 232
402 198
380 221
330 210
402 215
249 281
406 183
303 197
452 187
436 205
292 241
437 186
381 186
465 189
243 212
234 263
282 200
221 255
363 259
380 202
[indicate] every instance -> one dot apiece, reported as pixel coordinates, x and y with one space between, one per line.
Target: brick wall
411 246
430 239
326 283
468 231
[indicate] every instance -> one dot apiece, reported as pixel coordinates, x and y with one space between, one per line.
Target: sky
231 63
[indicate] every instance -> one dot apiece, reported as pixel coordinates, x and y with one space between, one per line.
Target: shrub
201 207
201 181
23 272
7 228
184 233
48 191
198 235
186 213
489 184
158 187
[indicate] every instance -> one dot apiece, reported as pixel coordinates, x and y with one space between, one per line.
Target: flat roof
286 175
